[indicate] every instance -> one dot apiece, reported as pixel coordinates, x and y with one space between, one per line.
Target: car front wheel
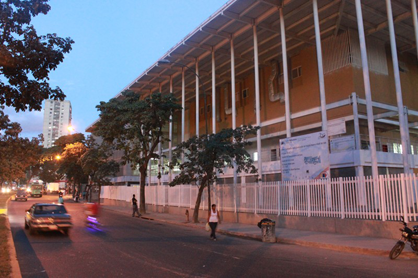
26 225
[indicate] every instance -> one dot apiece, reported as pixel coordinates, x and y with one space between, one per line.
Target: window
201 110
245 93
255 156
403 67
209 108
397 148
296 72
273 155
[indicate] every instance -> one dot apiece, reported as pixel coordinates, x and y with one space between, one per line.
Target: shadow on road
30 265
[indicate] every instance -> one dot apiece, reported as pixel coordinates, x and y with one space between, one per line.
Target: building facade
295 67
57 119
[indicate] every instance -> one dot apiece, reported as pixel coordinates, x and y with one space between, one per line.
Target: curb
281 240
347 249
12 249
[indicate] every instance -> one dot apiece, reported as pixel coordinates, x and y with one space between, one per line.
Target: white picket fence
383 198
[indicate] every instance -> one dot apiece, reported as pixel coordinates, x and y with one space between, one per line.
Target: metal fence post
278 198
404 205
190 198
382 199
255 198
341 185
308 197
180 192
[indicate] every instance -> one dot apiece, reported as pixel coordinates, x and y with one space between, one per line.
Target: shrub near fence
383 198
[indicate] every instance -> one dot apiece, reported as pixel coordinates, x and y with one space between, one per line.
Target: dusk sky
115 41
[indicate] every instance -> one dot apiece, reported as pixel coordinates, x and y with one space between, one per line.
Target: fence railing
383 198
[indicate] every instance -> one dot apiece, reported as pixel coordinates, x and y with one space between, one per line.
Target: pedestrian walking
213 220
135 206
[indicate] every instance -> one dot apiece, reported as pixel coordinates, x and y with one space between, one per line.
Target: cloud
31 122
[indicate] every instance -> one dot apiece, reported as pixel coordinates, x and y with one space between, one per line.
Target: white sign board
342 144
336 127
305 157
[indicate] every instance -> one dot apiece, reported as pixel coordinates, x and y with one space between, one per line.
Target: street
132 247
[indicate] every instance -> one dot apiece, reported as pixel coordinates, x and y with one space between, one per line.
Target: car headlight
8 190
3 190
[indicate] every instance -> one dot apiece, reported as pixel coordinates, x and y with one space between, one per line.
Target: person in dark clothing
135 206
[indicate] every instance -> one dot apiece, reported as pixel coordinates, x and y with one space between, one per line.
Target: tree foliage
69 164
17 154
96 163
207 156
26 58
134 125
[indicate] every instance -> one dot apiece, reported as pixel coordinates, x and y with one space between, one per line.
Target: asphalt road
132 247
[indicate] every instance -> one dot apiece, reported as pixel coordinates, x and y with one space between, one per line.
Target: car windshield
21 191
50 209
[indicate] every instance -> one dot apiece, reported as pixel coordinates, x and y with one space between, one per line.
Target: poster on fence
305 157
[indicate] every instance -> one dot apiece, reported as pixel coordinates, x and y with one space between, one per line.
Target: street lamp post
165 61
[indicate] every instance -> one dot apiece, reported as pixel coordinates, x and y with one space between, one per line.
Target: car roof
46 204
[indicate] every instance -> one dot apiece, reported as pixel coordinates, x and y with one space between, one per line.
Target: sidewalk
336 242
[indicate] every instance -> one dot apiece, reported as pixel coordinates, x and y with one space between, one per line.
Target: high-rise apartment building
57 119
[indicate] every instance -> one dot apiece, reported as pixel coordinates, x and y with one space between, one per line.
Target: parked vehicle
53 187
21 195
47 217
408 235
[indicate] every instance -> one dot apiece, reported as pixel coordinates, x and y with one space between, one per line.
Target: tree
69 164
134 126
48 165
16 154
97 165
48 171
207 156
26 58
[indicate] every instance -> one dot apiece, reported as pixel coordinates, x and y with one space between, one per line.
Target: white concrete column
398 88
233 105
160 161
367 89
414 18
170 134
285 75
234 114
410 163
213 92
357 162
320 66
183 104
197 98
257 101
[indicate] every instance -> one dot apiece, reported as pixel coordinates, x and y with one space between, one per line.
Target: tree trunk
100 192
197 205
209 201
142 208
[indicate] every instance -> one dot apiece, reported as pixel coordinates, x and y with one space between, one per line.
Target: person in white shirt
213 220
